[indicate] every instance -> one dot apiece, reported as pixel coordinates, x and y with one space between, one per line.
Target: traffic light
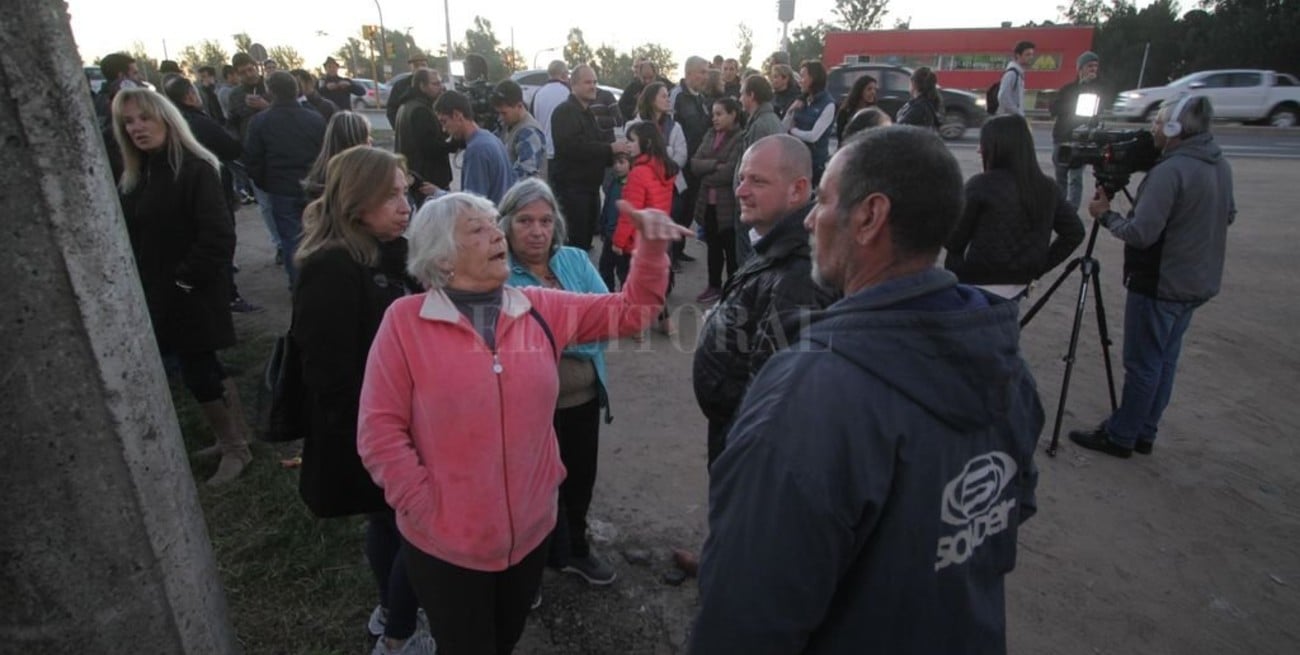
369 31
390 51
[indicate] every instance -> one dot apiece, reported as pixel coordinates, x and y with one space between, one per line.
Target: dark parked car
961 109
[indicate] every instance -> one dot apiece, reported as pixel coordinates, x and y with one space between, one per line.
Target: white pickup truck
1251 96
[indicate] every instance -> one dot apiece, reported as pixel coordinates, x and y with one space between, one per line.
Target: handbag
282 384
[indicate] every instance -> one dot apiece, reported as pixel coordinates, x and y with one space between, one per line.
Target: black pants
684 212
578 431
722 247
383 548
613 267
474 612
581 208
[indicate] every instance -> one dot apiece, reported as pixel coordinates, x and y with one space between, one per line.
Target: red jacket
459 437
648 186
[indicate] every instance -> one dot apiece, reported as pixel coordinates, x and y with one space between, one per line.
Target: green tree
861 15
807 42
206 53
354 56
745 44
243 42
287 56
615 67
482 40
576 50
660 56
148 66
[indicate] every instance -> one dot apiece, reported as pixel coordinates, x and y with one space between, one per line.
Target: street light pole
539 53
383 47
446 12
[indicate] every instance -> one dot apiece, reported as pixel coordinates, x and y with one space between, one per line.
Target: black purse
282 384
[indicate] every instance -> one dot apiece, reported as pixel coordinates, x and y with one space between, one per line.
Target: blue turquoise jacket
576 273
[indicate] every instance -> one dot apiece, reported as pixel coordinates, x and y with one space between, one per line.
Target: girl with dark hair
1003 241
925 109
649 186
861 96
655 108
714 164
811 117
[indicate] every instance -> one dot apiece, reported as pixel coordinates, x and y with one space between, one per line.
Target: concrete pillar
103 547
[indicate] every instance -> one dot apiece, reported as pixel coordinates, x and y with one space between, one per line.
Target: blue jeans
1153 338
1071 182
287 211
264 207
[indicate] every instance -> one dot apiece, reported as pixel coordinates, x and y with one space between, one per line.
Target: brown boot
226 416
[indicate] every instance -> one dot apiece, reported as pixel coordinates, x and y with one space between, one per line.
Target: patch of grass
294 583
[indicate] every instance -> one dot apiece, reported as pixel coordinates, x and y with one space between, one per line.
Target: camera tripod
1090 275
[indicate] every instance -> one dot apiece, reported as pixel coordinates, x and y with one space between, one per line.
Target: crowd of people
452 332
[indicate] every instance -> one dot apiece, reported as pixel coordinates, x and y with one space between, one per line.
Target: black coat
757 315
419 138
690 111
181 231
219 142
342 98
281 146
996 242
581 148
337 306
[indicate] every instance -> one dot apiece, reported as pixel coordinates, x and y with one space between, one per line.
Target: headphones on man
1174 127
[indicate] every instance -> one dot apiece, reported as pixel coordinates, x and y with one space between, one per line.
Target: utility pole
785 14
383 48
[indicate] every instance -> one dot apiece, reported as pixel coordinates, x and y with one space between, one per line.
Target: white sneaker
379 621
420 643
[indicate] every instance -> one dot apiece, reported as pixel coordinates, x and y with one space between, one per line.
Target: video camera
1114 154
479 92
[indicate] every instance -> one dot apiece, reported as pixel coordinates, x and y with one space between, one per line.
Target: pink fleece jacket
460 437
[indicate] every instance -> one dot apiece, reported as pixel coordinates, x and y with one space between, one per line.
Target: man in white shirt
547 98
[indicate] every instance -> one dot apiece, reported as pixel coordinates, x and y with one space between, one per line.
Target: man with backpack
1008 95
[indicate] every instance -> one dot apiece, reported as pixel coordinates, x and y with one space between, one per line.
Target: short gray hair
432 236
524 193
695 62
557 69
1196 116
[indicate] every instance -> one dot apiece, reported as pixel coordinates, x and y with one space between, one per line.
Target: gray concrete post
103 547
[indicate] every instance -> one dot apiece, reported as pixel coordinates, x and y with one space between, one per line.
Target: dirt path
1195 549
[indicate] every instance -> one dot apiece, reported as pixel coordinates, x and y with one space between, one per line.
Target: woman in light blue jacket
535 232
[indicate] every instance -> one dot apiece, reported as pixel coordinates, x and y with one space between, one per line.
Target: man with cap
523 135
1063 107
401 87
336 89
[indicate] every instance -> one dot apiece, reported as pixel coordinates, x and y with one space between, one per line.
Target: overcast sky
317 29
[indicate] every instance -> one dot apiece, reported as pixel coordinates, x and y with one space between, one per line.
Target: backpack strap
537 316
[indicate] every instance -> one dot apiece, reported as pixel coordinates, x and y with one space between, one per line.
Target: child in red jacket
649 185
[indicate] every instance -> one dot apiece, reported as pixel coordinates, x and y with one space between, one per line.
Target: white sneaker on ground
420 643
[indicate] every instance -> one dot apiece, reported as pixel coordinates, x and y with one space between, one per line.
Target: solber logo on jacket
973 502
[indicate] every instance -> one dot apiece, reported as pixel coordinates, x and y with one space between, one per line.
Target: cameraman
476 87
1071 179
1174 238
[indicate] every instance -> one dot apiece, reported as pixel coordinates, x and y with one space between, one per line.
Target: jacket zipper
505 467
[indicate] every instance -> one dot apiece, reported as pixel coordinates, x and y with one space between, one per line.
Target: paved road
1237 141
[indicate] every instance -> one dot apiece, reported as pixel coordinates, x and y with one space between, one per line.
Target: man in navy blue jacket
282 143
869 497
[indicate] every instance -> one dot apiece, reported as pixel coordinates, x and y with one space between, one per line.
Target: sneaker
537 601
420 643
1099 440
1144 447
246 198
241 306
592 569
709 296
685 257
379 618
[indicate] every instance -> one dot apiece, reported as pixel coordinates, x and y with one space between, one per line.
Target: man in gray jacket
1174 243
1011 91
756 97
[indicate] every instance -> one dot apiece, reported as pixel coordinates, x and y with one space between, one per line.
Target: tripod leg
1069 357
1104 333
1042 300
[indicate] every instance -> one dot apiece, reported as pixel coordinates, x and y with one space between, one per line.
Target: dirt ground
1195 549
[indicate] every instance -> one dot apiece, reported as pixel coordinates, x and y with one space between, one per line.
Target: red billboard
966 58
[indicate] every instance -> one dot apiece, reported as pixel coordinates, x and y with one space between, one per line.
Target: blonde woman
351 267
183 238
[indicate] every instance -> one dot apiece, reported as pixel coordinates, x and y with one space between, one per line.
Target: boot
226 416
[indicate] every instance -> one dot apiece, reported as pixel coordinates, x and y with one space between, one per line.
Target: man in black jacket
582 153
1063 110
401 87
339 90
419 136
183 93
879 468
282 143
759 311
646 74
694 114
310 97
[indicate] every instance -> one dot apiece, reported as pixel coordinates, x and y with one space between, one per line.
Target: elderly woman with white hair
456 412
535 232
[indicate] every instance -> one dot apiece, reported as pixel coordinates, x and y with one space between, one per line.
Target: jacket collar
786 237
438 307
893 292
